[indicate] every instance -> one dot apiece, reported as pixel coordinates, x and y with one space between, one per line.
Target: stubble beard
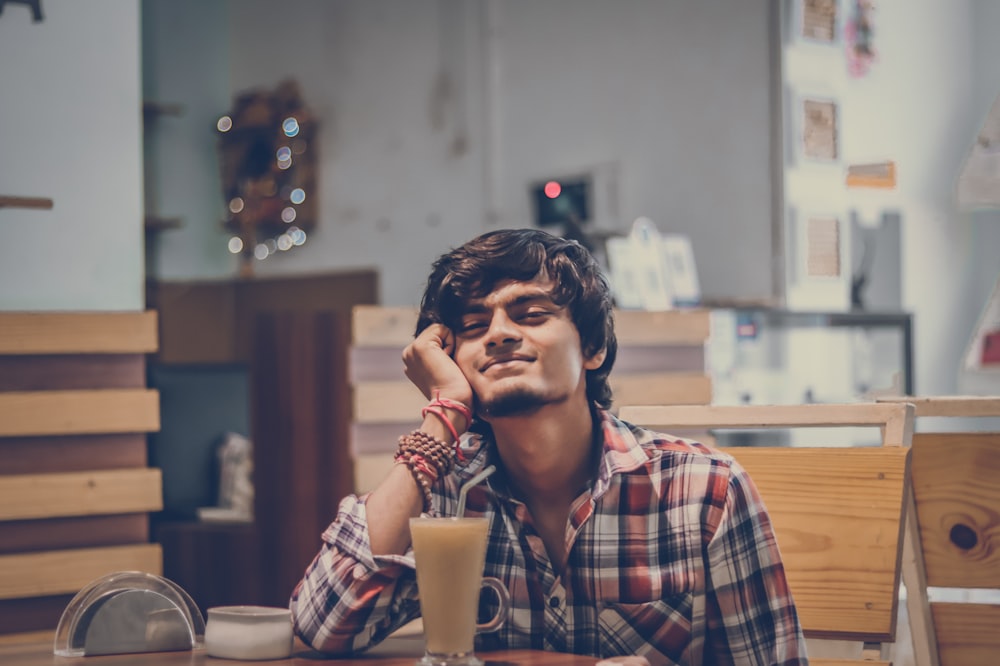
519 401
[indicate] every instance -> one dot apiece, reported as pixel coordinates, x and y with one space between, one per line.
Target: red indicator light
552 189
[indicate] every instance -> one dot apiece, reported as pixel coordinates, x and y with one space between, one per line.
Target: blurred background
733 124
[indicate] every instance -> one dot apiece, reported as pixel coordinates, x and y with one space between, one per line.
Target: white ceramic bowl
249 632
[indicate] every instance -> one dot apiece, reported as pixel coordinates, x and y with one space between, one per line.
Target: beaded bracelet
427 458
429 447
424 484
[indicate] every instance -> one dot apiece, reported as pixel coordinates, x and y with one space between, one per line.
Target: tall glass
450 556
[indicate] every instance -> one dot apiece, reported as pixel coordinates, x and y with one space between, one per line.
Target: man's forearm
398 498
389 508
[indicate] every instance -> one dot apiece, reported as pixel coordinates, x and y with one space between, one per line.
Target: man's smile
505 362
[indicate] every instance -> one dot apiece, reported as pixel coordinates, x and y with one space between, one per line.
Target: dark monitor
560 201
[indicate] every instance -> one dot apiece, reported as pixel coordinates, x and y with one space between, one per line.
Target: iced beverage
450 556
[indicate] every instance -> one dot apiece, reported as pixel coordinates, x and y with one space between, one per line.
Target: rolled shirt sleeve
348 599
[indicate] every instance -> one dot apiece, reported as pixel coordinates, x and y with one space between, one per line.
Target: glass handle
497 621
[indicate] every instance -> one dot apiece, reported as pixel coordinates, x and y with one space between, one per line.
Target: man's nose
502 331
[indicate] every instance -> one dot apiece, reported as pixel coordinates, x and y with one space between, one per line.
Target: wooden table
402 651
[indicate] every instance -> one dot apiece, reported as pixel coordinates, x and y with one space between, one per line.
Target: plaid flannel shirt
671 555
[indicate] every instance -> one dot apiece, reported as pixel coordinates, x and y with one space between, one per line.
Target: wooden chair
838 514
957 499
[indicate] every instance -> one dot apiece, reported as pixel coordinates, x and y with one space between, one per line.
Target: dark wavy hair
476 268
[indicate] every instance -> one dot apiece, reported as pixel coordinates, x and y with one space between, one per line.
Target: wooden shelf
161 109
154 223
40 203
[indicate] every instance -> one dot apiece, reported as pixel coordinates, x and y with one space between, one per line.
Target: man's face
520 351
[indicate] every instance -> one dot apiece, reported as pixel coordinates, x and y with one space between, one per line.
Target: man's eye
471 326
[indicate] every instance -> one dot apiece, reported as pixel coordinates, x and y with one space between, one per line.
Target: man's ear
595 361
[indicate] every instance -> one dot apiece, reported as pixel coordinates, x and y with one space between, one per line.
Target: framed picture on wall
822 252
815 128
816 21
818 247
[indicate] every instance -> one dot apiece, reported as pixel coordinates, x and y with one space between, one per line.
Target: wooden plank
967 634
367 438
401 402
952 405
198 322
28 496
40 203
898 430
44 636
17 536
672 327
213 321
300 361
33 614
376 438
660 358
320 292
837 515
958 502
918 609
387 402
773 416
71 453
385 363
218 564
663 388
68 571
77 332
78 412
367 364
378 326
68 372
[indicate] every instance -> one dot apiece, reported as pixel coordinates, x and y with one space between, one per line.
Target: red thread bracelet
448 403
444 419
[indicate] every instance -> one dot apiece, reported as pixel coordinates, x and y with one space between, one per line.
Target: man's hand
428 363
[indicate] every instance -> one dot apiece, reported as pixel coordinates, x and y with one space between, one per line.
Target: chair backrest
837 513
661 358
957 498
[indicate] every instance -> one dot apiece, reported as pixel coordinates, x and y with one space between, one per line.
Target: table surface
396 651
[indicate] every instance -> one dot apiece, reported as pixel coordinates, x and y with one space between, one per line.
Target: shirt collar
622 453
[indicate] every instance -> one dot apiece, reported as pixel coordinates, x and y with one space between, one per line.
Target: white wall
70 114
185 61
435 115
936 74
930 131
981 266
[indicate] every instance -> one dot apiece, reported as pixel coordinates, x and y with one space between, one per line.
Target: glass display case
775 356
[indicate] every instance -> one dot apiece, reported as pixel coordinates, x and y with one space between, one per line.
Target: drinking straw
468 484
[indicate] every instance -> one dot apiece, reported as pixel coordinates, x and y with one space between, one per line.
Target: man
612 539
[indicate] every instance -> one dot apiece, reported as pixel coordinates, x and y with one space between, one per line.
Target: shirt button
554 602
